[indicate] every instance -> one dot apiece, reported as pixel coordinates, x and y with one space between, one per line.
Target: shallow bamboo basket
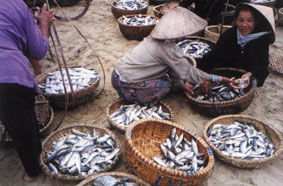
142 143
266 129
137 32
47 147
211 32
117 12
82 96
233 106
135 179
116 105
202 39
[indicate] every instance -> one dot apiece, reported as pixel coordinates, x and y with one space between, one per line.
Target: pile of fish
241 140
139 20
80 79
222 92
81 154
130 4
261 1
196 49
127 114
181 154
112 181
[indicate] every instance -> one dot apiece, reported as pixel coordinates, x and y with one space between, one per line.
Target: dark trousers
18 116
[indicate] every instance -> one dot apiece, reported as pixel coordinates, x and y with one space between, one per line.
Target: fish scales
139 20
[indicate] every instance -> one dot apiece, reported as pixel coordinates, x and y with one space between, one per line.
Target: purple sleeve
37 44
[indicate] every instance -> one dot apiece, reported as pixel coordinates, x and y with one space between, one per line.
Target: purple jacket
20 38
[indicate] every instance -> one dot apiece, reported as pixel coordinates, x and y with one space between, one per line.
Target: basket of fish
44 114
222 98
113 179
212 32
243 141
195 46
129 7
164 153
84 82
136 26
121 114
76 152
269 3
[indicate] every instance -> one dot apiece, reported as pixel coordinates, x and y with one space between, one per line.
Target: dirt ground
102 31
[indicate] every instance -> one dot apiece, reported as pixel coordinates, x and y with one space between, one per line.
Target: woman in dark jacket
245 45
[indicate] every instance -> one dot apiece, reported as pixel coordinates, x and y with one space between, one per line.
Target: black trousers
18 116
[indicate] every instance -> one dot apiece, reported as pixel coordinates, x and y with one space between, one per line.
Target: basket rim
226 102
147 5
80 177
123 128
136 26
171 172
206 29
232 160
69 93
114 173
49 122
198 37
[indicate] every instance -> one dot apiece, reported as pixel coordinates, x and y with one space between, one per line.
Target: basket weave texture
135 32
135 179
116 105
276 62
211 32
263 127
82 96
234 106
47 147
117 12
142 143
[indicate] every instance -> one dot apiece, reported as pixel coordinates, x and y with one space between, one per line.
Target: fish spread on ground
130 4
80 79
113 181
181 154
81 154
127 114
221 92
196 49
139 20
241 140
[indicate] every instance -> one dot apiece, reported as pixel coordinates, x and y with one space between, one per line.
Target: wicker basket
135 179
135 32
142 143
47 147
276 62
234 106
117 12
116 105
263 127
202 39
270 4
82 96
211 32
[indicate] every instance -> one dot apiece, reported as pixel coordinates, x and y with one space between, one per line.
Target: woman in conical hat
246 44
144 74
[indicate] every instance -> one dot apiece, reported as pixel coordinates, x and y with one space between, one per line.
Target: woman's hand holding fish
188 87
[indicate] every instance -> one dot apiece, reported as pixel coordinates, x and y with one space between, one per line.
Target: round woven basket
117 12
263 127
270 4
229 14
116 105
142 143
132 32
47 147
202 39
82 96
276 62
44 114
234 106
135 179
211 32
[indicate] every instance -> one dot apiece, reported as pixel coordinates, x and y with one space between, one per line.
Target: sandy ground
102 31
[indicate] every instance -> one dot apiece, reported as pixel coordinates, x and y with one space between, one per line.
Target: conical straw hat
267 14
177 23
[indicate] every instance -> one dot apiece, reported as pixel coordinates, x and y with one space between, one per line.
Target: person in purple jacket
22 42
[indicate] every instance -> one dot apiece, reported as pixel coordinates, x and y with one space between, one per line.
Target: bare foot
27 178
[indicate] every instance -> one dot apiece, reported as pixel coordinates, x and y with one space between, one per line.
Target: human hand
242 82
205 86
188 87
46 17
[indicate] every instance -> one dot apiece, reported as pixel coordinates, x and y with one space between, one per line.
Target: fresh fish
196 49
113 181
130 4
139 20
